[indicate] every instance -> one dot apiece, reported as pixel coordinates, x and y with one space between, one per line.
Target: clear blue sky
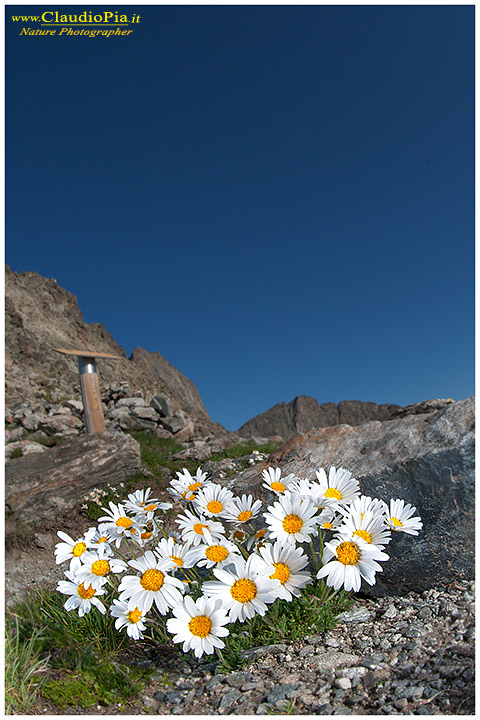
278 199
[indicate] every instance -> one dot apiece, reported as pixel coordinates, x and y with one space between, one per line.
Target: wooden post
90 386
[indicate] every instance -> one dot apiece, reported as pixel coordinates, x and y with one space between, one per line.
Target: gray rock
236 680
130 422
173 424
146 413
25 447
41 486
161 405
60 425
31 422
282 691
230 697
130 402
358 614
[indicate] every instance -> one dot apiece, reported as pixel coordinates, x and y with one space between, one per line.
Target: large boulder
41 486
425 458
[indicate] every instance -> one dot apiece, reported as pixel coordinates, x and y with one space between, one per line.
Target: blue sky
278 199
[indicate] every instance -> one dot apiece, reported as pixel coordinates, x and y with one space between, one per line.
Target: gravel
411 655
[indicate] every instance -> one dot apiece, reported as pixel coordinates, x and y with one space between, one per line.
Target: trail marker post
90 386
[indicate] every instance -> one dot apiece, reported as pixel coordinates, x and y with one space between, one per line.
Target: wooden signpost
90 386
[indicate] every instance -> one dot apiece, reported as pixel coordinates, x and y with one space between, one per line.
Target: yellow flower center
243 590
327 525
86 593
239 535
150 508
146 535
281 573
134 615
100 567
198 528
396 522
194 487
348 553
260 534
124 522
152 580
278 486
292 524
216 553
245 515
177 560
200 626
102 539
364 534
214 506
79 549
333 493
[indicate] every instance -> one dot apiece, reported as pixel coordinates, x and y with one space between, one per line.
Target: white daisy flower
340 486
118 524
132 620
399 518
351 562
214 553
186 486
96 565
140 502
367 525
199 625
178 555
274 481
153 585
213 500
285 562
101 536
193 526
292 519
329 519
81 598
363 504
244 589
73 550
242 510
314 491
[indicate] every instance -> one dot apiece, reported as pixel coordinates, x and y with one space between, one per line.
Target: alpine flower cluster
228 559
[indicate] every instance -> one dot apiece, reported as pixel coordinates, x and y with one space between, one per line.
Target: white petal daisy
340 486
71 549
364 504
351 562
140 502
97 565
291 518
132 620
245 589
367 525
285 562
193 526
186 486
177 554
199 625
212 500
274 481
153 585
214 553
118 524
329 519
81 597
399 518
242 510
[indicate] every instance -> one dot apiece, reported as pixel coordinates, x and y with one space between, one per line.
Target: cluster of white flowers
219 567
96 494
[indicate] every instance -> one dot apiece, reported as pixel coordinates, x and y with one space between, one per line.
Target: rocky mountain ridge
304 413
40 315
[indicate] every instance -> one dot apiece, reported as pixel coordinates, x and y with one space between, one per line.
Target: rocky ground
410 655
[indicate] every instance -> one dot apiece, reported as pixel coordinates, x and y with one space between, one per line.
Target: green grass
87 660
157 452
313 612
16 453
24 671
238 451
